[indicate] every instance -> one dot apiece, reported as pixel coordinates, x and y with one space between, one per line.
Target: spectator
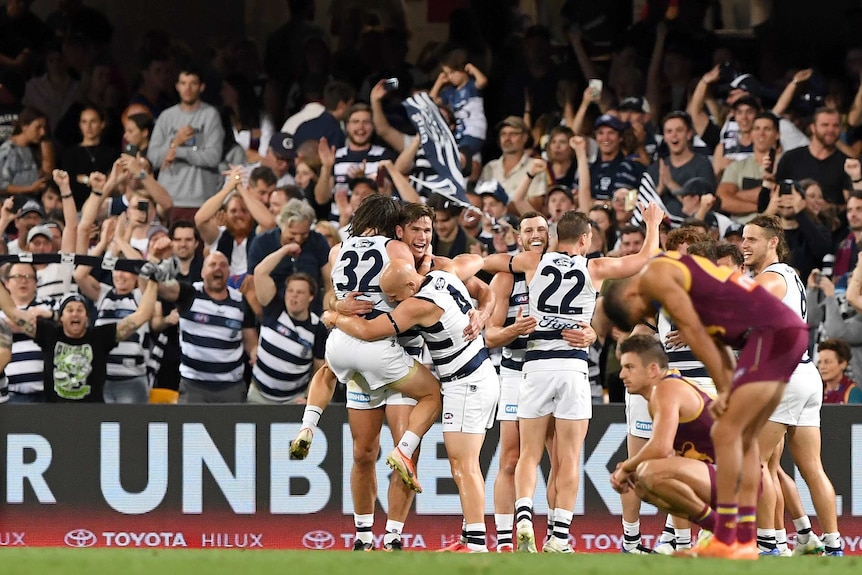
462 97
833 357
55 91
280 196
737 144
292 339
216 329
54 280
307 173
29 216
835 315
733 234
741 181
240 207
358 158
90 155
360 188
126 373
611 170
23 159
155 83
696 198
338 98
137 130
294 226
605 218
729 255
510 168
631 240
185 241
24 371
562 166
329 231
252 129
76 355
498 233
820 160
280 157
849 248
186 146
450 239
807 240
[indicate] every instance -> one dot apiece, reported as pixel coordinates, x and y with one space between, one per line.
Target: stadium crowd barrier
221 477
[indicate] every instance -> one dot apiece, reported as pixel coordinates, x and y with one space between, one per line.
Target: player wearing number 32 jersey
562 290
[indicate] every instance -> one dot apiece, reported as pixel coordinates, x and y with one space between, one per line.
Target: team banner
105 263
221 477
438 146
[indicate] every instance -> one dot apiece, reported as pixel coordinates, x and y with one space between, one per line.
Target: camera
390 84
143 206
785 187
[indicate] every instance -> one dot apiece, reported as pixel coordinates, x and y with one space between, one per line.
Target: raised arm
70 212
256 208
576 41
264 286
585 185
22 321
578 121
141 169
653 87
405 189
140 316
478 77
786 97
698 97
394 138
205 220
519 198
326 182
617 268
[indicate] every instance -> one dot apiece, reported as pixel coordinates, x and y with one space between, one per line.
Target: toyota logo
316 540
80 538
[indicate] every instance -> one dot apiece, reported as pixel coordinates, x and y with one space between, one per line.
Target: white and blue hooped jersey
513 354
794 295
561 293
358 269
453 356
681 358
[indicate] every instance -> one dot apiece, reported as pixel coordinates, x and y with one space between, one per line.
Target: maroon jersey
692 438
728 303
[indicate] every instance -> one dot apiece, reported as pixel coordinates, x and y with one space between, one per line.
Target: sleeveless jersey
453 356
724 300
561 293
681 358
129 358
794 295
513 354
692 439
358 268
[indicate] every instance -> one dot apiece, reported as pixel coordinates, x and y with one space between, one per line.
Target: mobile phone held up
785 187
772 160
390 84
130 150
596 88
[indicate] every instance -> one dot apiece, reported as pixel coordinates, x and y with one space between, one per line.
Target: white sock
781 539
476 537
803 529
562 523
393 531
364 524
832 540
408 444
766 539
524 509
668 533
504 523
311 417
683 538
631 534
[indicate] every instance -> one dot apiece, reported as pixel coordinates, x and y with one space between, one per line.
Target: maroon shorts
770 355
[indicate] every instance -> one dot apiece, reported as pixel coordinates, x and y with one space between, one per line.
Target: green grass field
197 562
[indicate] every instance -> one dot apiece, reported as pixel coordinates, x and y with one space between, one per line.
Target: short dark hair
415 211
841 349
455 59
572 225
614 306
769 116
704 249
264 173
679 115
143 122
335 92
302 276
190 69
632 229
184 224
647 348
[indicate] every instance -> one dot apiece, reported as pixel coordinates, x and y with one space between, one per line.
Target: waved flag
438 146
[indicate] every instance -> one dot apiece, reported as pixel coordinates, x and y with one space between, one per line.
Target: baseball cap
282 145
564 189
733 230
610 121
31 206
695 187
634 104
492 188
69 299
513 122
40 230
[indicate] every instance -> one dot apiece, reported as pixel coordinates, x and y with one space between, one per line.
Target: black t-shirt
75 368
82 160
799 164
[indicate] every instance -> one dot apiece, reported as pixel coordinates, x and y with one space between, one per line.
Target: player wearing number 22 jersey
555 389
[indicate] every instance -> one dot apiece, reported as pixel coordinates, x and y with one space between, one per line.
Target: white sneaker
703 538
814 546
555 545
526 537
299 447
785 553
665 548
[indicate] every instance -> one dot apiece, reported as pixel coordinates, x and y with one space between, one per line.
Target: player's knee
365 454
508 462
